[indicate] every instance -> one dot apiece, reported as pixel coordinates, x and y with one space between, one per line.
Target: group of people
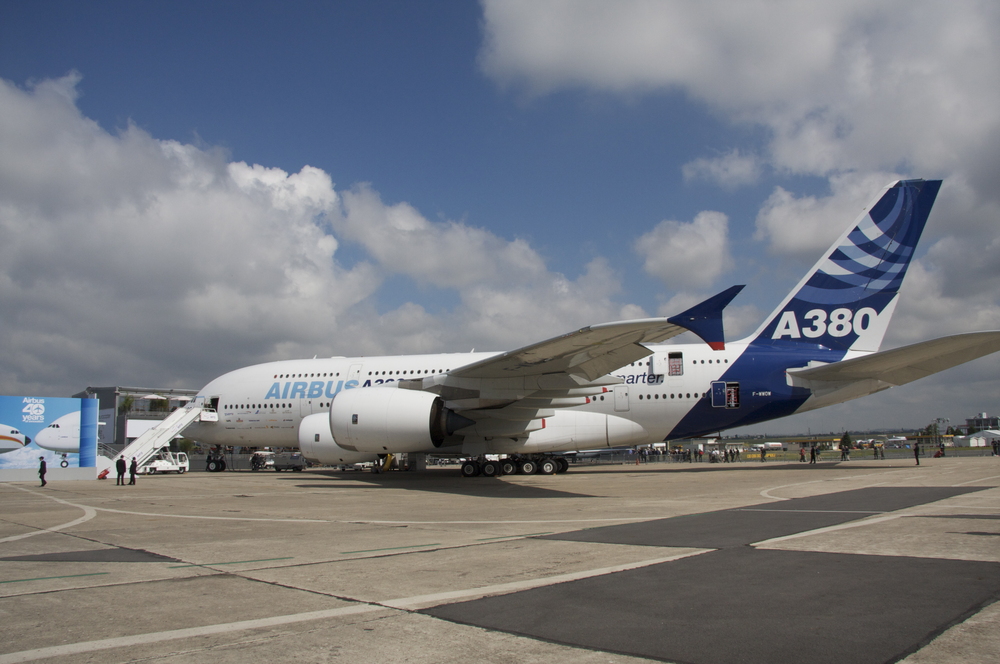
120 465
725 456
813 454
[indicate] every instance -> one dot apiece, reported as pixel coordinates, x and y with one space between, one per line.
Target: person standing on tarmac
41 469
132 469
120 467
916 452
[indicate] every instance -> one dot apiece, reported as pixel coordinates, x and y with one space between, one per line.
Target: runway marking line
234 562
88 514
391 548
981 479
828 529
48 578
402 604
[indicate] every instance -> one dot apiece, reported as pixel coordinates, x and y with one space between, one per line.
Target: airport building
982 422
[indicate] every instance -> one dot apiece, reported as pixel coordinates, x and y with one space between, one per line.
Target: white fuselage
265 404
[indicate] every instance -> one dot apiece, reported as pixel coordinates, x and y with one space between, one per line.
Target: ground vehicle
166 461
262 461
288 461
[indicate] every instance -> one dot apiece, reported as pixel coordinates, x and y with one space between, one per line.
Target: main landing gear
216 462
543 465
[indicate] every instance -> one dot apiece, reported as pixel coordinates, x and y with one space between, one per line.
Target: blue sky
382 177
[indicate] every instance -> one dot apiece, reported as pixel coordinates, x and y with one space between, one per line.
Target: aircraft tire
470 469
527 467
563 465
64 464
490 468
547 466
508 467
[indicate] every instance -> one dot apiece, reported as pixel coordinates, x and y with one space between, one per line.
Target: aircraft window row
405 373
308 375
685 395
265 405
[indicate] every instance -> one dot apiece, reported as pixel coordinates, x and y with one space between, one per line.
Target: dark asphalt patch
747 605
740 604
737 527
117 555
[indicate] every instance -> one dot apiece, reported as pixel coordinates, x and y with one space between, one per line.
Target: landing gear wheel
547 466
508 467
527 467
563 465
64 464
470 469
490 468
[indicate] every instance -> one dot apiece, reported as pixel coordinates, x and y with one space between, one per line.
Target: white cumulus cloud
133 260
730 170
687 254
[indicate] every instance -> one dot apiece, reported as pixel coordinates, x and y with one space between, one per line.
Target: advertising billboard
64 431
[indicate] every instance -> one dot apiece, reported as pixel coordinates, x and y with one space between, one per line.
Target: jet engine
382 419
317 443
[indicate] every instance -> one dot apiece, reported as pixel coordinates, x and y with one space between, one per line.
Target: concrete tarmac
863 561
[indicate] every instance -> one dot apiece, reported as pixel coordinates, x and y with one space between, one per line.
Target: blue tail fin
846 300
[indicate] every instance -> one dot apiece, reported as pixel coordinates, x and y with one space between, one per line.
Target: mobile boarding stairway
148 444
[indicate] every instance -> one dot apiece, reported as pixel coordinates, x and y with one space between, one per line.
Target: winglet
705 319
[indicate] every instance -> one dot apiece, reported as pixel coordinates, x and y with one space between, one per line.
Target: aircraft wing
594 351
510 394
904 365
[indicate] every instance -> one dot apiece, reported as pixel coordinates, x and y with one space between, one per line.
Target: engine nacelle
317 443
383 419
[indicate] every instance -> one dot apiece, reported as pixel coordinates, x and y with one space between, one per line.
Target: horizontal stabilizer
705 319
909 363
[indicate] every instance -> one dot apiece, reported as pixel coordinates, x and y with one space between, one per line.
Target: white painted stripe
982 479
405 604
188 633
211 518
88 514
425 601
749 509
828 529
492 522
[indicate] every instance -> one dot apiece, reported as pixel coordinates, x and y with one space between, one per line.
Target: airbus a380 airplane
610 385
